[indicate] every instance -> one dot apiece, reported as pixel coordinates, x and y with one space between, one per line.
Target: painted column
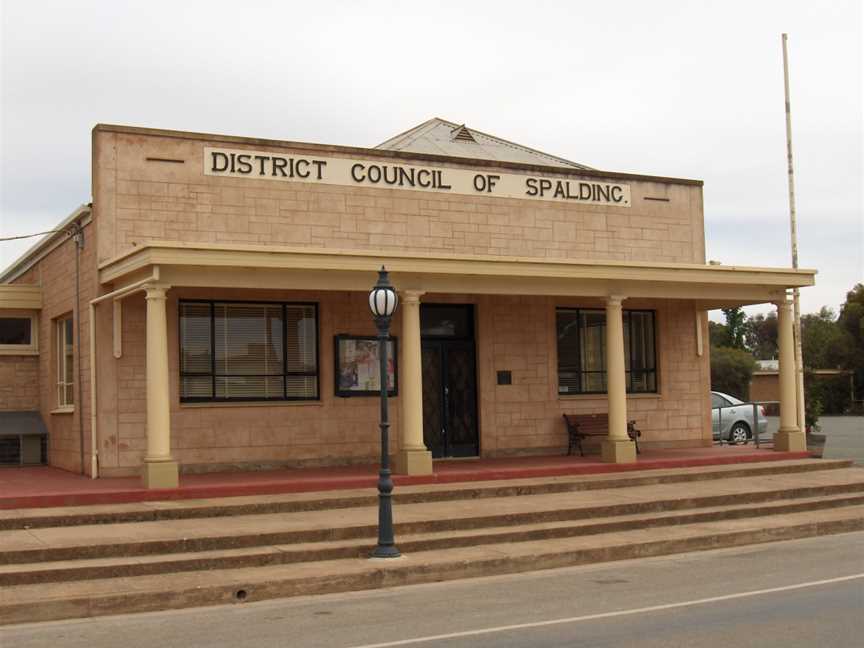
789 438
617 447
160 469
412 458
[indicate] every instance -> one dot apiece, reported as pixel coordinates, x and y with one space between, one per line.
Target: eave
284 268
20 297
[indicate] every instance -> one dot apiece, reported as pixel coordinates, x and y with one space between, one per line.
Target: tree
760 336
824 344
731 371
735 318
830 392
718 335
851 320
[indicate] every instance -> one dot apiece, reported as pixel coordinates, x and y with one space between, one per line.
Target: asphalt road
789 594
837 425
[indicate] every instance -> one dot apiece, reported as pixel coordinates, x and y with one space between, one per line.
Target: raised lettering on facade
367 173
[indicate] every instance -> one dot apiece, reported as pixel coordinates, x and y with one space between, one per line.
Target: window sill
603 396
316 403
24 351
63 410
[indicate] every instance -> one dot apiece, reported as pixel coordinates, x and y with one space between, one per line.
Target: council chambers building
208 309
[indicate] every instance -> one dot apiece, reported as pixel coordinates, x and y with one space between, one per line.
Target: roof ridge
405 133
522 147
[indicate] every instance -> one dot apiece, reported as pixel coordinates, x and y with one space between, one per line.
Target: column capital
783 304
615 300
411 296
156 291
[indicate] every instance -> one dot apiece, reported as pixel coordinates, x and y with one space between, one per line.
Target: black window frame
212 373
629 373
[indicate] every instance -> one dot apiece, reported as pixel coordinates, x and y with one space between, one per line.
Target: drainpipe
76 233
115 295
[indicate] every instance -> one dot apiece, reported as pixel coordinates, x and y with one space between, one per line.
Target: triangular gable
441 137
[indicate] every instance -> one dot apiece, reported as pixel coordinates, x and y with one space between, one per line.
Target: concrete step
237 532
124 567
87 598
334 500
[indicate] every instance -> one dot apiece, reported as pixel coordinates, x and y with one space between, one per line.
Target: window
582 351
65 362
236 351
18 333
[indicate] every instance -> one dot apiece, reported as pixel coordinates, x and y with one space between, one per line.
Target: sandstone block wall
19 383
332 430
137 201
519 334
56 274
516 334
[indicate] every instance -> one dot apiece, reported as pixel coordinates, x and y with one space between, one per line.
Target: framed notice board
358 366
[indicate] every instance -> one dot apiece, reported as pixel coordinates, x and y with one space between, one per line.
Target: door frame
442 343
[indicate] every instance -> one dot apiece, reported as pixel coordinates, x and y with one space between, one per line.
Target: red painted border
448 472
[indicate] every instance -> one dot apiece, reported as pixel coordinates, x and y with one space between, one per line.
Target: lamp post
382 302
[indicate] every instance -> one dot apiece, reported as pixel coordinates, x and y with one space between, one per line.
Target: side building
208 311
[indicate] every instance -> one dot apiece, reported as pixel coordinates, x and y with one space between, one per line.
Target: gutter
46 244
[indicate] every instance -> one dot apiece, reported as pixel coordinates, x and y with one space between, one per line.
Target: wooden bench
582 426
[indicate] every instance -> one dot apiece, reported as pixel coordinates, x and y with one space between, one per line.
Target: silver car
732 419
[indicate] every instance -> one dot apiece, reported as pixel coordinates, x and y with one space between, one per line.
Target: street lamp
382 302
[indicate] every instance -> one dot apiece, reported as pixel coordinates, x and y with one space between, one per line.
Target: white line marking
608 615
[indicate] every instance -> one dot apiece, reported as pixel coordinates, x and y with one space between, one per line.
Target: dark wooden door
450 398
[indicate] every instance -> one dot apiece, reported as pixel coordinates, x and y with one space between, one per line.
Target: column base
412 462
615 451
160 474
792 440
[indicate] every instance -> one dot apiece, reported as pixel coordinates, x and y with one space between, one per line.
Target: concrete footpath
93 561
606 604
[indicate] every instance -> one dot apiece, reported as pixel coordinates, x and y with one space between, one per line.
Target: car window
718 401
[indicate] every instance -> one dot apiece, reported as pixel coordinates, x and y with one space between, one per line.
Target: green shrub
832 392
812 412
731 371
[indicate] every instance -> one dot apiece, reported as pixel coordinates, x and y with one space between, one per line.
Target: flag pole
796 304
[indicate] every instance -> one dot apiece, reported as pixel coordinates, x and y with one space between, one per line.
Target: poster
357 366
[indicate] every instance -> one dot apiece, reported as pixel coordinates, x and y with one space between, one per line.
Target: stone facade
19 383
56 274
331 430
168 199
137 201
512 333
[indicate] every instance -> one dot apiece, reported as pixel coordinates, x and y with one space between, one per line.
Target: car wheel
739 434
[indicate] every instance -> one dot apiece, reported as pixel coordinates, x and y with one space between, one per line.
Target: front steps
60 564
330 500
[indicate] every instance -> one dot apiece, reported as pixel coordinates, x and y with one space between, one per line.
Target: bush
812 412
731 371
832 392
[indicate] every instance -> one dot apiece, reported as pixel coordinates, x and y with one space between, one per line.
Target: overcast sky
687 89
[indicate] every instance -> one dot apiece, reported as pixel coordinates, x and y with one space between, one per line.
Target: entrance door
449 381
